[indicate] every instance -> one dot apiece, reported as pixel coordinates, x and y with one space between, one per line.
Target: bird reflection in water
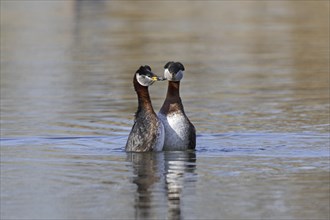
160 179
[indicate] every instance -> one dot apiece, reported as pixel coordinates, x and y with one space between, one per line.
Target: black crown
174 67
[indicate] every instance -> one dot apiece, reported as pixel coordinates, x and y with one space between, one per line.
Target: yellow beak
154 78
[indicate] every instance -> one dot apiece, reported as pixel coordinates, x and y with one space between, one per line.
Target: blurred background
256 87
72 62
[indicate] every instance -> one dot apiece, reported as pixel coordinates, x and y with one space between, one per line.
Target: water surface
256 87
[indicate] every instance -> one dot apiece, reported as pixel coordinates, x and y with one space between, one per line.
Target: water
256 88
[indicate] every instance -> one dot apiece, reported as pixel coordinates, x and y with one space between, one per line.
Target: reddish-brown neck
173 101
144 100
173 89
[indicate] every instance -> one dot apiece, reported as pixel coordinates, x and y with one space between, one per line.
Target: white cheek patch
144 80
167 74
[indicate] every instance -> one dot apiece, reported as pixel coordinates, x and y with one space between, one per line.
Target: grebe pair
171 128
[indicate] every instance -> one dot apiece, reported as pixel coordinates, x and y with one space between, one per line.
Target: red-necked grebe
147 133
180 133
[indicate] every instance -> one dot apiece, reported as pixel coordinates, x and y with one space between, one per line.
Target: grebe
180 133
147 133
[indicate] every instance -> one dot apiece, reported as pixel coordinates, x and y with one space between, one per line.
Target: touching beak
161 78
156 78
